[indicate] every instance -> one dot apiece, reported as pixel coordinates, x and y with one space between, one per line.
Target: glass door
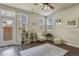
8 28
23 25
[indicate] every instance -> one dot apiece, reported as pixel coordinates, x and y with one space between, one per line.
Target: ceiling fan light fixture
45 8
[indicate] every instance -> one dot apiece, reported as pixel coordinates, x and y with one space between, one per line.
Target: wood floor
72 51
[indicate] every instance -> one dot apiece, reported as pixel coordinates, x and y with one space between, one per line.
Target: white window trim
48 25
42 25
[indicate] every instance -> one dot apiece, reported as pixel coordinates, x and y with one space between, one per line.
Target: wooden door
7 33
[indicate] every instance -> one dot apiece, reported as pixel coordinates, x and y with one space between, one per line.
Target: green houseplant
23 37
27 34
33 36
49 36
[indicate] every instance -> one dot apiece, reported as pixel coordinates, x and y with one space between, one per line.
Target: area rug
44 50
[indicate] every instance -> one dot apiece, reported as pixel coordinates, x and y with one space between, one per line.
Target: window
49 23
2 12
23 21
42 24
7 14
8 17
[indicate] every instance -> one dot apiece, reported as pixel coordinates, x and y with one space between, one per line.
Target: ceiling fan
45 5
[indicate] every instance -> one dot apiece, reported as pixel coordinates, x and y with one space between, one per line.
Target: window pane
49 26
3 12
49 23
42 24
23 21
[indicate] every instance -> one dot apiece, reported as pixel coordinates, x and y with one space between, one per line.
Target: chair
40 37
58 40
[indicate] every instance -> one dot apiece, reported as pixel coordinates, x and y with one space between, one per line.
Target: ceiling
37 8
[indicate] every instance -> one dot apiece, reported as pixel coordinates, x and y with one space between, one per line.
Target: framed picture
72 23
58 21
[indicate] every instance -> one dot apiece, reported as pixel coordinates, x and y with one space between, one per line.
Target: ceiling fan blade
50 6
35 4
38 4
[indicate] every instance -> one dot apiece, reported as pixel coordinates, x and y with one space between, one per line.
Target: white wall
69 34
33 21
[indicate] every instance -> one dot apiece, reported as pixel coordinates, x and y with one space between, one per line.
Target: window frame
40 25
20 20
51 24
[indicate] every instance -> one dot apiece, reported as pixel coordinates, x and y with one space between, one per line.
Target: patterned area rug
44 50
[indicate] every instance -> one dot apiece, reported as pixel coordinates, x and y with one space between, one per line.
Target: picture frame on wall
59 21
72 23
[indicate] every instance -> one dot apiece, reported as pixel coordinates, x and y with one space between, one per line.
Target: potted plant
49 36
23 37
33 36
27 34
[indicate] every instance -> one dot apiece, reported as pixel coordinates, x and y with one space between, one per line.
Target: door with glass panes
23 26
7 27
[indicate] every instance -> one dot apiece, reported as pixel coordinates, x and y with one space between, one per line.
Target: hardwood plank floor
72 51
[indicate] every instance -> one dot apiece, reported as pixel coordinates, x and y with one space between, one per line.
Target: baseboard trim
72 45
